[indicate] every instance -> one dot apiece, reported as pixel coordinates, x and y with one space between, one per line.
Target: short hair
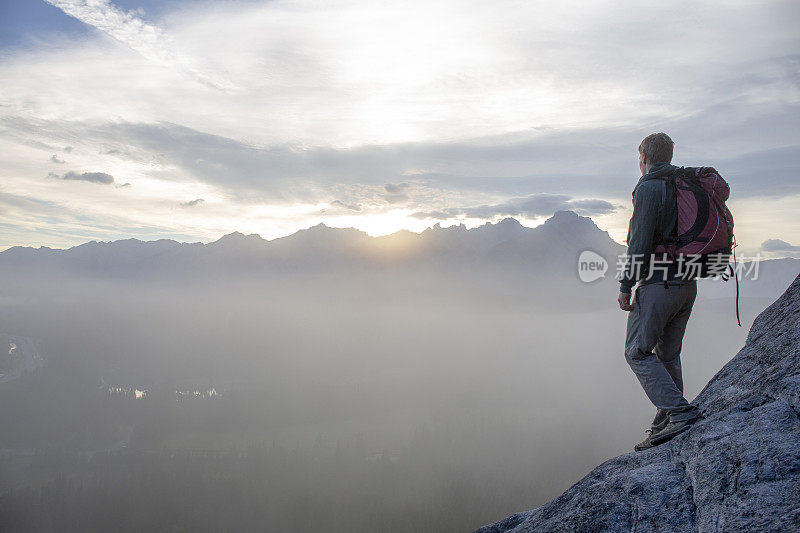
657 148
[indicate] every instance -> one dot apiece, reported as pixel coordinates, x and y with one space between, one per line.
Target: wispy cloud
192 203
131 30
778 248
92 177
778 245
349 207
533 206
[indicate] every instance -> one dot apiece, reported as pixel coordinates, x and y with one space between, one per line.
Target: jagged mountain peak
508 225
453 227
565 214
570 220
322 230
130 246
508 221
570 226
237 236
459 239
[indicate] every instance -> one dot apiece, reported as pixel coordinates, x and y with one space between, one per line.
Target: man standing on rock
663 298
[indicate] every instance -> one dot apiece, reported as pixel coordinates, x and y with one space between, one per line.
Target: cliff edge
736 470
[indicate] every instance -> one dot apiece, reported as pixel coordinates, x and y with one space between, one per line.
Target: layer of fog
516 381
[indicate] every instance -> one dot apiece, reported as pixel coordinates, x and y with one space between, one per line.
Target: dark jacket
654 217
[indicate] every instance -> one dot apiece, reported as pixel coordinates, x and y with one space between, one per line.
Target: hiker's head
655 148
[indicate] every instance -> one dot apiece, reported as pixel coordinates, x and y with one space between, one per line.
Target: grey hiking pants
653 346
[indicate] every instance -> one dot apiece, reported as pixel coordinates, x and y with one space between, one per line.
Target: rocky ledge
736 470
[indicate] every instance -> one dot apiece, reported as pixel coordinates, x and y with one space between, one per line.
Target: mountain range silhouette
550 247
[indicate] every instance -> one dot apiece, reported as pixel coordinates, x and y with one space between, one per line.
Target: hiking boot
672 429
645 444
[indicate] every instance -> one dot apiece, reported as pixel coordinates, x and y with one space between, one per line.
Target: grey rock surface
736 470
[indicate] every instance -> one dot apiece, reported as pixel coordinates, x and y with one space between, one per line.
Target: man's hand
624 300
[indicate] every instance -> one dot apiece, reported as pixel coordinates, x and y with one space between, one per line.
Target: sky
193 119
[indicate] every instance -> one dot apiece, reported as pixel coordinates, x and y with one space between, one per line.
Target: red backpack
705 225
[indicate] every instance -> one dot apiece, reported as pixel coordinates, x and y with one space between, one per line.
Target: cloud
351 207
25 203
33 221
55 159
532 206
93 177
571 162
131 30
192 203
395 193
396 188
28 219
338 207
777 245
477 112
441 215
592 207
438 71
